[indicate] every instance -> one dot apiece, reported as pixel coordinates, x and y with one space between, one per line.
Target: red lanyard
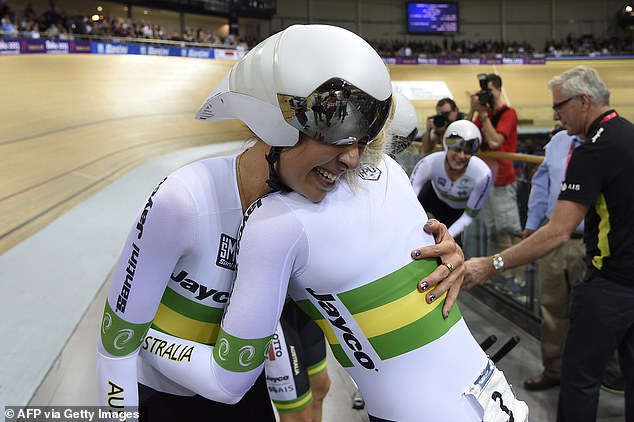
572 148
605 118
609 117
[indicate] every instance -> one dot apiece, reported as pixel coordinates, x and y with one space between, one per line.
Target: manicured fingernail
432 297
424 285
416 252
446 314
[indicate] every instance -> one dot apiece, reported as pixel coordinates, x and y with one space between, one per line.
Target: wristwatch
484 117
498 262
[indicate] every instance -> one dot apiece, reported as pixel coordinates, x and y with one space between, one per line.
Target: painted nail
416 252
424 285
446 315
432 297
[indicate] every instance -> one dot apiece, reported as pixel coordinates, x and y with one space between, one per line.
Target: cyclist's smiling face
458 159
312 168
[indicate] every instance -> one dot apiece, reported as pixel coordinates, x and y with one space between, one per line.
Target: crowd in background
452 48
571 45
587 45
54 24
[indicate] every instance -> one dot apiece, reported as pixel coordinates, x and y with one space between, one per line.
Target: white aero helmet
462 135
274 87
404 125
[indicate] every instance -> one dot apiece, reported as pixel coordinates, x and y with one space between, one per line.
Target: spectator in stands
8 29
128 27
33 31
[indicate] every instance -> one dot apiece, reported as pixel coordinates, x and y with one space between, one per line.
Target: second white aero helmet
404 125
274 87
462 135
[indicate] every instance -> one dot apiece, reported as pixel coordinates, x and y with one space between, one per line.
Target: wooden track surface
76 122
70 124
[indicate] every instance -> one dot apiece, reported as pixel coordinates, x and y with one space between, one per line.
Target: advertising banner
8 47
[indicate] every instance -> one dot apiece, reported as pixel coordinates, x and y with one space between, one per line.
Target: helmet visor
400 143
336 113
455 142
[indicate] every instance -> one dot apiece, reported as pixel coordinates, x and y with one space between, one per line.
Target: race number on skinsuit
491 395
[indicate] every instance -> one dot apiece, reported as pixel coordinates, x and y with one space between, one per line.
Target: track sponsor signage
453 61
43 47
8 47
229 54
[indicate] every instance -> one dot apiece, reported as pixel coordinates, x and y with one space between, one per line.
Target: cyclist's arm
421 174
271 246
162 232
477 198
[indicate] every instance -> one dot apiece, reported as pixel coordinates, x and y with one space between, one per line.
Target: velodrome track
73 127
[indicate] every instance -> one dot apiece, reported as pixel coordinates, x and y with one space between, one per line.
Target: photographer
446 112
498 125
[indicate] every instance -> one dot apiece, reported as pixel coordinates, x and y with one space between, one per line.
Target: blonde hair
372 156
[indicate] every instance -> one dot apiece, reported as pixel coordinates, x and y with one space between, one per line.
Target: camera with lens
441 120
485 97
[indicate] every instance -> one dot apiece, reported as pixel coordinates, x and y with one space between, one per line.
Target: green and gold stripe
454 198
603 243
391 313
184 318
472 213
294 405
317 368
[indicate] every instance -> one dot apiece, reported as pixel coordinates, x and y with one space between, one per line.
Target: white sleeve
477 197
117 381
163 231
421 174
480 191
272 247
193 368
459 225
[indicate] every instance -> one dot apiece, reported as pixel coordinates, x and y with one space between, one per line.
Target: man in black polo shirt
597 186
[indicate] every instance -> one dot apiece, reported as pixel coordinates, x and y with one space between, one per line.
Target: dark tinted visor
336 113
456 143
